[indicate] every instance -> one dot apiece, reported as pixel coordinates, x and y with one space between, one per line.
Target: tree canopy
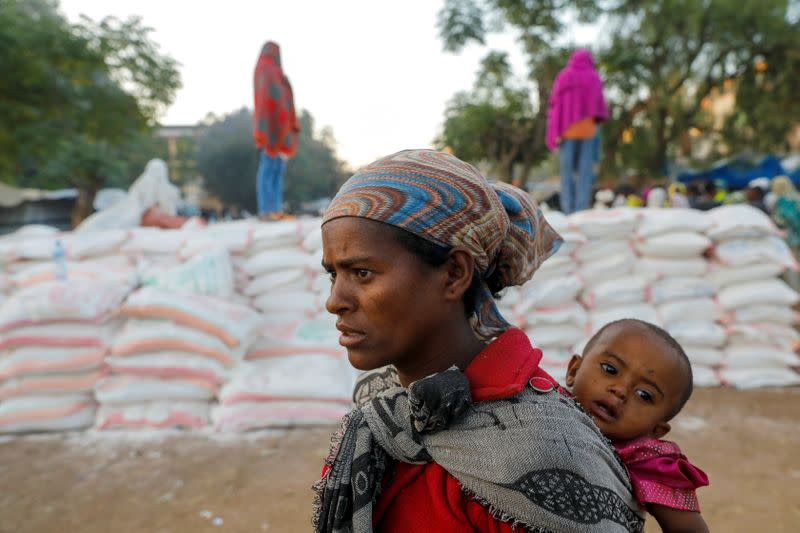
228 160
665 63
77 101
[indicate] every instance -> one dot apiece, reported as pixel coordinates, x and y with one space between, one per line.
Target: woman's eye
332 275
362 273
644 395
608 369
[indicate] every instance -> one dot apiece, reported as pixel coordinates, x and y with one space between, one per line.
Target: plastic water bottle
59 258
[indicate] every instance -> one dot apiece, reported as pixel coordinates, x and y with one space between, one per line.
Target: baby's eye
608 369
644 395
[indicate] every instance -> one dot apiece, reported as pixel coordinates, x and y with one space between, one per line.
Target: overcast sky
374 71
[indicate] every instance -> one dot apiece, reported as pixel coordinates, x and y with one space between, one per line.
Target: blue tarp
738 172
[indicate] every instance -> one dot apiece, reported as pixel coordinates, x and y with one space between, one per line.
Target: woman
275 129
576 106
456 428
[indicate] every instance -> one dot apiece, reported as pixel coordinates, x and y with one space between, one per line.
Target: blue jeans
576 158
269 183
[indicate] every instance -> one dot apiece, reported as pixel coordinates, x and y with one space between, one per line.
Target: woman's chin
361 361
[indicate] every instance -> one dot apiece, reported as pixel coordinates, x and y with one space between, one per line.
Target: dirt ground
747 442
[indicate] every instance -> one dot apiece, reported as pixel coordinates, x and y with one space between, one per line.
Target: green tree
77 100
666 60
228 161
660 62
502 120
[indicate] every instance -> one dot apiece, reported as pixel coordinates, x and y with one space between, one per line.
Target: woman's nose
338 300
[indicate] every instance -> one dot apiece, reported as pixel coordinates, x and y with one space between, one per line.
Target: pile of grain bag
606 264
36 254
295 374
170 358
749 257
230 239
672 244
54 336
281 272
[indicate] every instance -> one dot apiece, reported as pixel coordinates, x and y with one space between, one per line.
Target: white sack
185 414
549 293
133 389
773 291
608 268
246 416
233 323
674 245
722 276
696 333
618 223
700 309
759 251
75 300
680 288
208 273
738 221
572 314
307 377
771 314
627 290
656 268
661 221
594 251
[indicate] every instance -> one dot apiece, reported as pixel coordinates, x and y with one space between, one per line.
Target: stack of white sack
296 374
614 289
208 272
236 238
749 257
547 306
40 253
282 274
53 339
672 244
170 358
155 248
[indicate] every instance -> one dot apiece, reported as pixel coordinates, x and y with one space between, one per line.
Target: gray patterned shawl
534 460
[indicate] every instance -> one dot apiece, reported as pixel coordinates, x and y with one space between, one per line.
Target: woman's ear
572 369
460 267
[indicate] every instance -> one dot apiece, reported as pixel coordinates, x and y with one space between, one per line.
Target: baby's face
629 382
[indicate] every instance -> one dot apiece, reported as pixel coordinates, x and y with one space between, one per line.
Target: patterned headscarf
443 200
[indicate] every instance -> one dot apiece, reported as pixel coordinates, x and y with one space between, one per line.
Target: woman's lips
605 412
350 337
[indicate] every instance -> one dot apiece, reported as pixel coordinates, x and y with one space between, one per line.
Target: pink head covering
577 94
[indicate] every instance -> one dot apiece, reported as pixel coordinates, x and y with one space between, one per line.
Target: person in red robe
275 129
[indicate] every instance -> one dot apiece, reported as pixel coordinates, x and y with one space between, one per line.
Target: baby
632 379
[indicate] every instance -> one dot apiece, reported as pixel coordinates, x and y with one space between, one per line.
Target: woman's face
389 303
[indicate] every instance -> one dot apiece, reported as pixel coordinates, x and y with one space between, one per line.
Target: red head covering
275 124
